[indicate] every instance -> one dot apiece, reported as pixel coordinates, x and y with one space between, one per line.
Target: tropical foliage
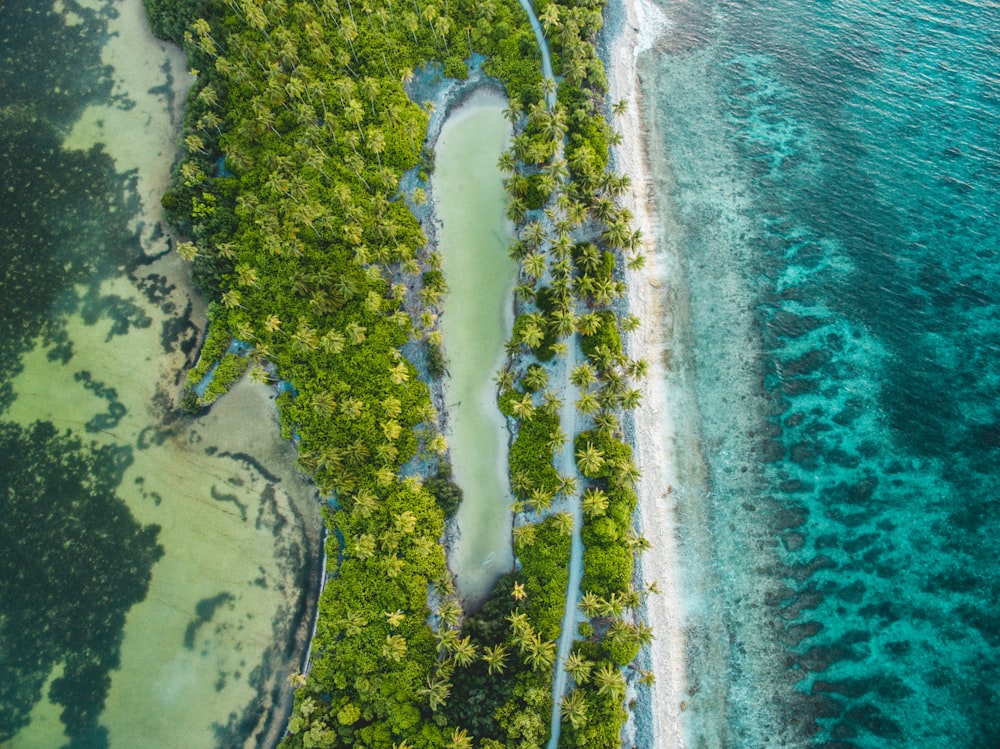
297 134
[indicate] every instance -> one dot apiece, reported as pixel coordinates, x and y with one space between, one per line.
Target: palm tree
557 439
589 323
574 708
525 291
406 521
609 680
464 651
524 534
351 407
494 658
626 472
548 87
519 624
522 483
446 639
567 486
512 112
259 374
606 423
550 18
541 654
636 263
399 374
587 404
331 342
578 667
364 546
365 503
355 333
505 379
583 375
590 460
437 691
630 323
187 250
563 322
507 162
517 210
644 634
523 408
324 404
613 606
392 429
534 265
541 499
590 604
353 623
595 502
232 299
637 368
536 378
564 522
459 739
637 543
603 291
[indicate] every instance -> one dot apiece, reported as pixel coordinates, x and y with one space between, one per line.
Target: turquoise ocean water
831 173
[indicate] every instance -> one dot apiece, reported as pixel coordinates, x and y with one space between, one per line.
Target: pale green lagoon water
476 320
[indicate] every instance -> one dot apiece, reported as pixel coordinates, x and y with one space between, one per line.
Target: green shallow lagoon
477 318
157 569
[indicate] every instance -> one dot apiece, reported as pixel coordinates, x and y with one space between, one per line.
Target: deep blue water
834 171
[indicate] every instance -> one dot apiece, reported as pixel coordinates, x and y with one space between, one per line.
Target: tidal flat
160 565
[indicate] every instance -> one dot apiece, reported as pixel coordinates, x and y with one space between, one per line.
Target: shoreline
656 438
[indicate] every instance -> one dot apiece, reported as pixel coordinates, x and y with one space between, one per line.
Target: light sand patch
139 129
219 517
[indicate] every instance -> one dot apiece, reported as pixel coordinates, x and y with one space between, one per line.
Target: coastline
656 437
208 488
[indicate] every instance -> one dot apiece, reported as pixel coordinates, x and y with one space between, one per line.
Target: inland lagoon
469 201
157 567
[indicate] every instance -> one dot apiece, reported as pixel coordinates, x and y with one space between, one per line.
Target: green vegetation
571 257
297 134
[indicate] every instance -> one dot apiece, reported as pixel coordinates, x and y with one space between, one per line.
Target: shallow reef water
833 172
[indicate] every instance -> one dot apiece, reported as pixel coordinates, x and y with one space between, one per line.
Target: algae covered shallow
152 590
474 236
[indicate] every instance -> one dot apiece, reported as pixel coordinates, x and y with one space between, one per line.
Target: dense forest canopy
297 135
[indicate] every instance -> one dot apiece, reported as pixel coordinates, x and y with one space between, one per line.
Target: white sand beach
657 442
